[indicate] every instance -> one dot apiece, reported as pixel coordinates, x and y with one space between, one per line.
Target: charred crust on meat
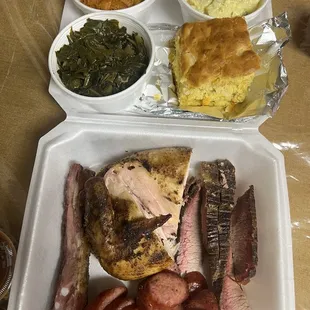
217 200
156 257
146 165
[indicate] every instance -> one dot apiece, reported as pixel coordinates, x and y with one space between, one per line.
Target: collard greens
101 59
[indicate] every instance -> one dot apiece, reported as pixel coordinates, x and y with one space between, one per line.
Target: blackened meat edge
189 256
243 238
217 203
71 290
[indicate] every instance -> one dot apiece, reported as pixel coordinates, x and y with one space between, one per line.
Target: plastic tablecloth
27 112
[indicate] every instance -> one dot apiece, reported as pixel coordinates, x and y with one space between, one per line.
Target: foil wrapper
269 85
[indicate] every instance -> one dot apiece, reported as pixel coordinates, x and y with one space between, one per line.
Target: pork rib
217 203
189 256
71 291
243 238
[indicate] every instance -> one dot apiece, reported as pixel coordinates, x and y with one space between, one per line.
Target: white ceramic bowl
141 11
190 14
121 100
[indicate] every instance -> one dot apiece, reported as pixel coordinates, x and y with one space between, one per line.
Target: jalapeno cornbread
214 64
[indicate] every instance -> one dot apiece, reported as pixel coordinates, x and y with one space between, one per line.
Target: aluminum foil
270 83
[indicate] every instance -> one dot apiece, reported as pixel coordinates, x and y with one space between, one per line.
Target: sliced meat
120 303
106 297
125 246
195 281
244 238
202 300
154 181
217 204
189 256
71 291
165 290
232 296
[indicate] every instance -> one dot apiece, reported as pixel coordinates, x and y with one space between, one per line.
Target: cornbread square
214 63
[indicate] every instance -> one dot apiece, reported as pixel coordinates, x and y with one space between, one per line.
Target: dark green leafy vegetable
101 59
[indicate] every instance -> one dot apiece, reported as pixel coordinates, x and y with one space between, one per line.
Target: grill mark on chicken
71 291
122 246
136 229
244 238
146 165
217 204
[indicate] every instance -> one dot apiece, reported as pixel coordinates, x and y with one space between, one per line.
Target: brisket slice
71 290
232 296
244 238
217 203
189 255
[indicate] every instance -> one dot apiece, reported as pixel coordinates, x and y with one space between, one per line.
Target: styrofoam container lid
121 100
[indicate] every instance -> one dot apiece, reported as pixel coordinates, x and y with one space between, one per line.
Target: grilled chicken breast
154 181
133 209
122 240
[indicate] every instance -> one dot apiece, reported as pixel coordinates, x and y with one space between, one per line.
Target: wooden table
27 112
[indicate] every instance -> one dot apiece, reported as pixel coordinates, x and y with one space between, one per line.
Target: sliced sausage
202 300
131 307
196 281
106 297
164 291
120 303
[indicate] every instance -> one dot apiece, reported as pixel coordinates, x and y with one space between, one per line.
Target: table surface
27 112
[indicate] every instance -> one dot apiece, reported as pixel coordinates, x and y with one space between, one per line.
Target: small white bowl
190 14
121 100
141 11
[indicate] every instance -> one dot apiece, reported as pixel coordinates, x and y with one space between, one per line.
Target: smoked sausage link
131 307
106 297
120 303
196 281
202 300
165 290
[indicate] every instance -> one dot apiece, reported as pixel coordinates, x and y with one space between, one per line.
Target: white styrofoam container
98 141
94 140
163 11
141 11
121 100
190 14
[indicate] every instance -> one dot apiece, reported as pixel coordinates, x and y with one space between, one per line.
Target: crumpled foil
269 85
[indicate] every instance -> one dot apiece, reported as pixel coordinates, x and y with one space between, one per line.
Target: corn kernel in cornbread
225 8
214 63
